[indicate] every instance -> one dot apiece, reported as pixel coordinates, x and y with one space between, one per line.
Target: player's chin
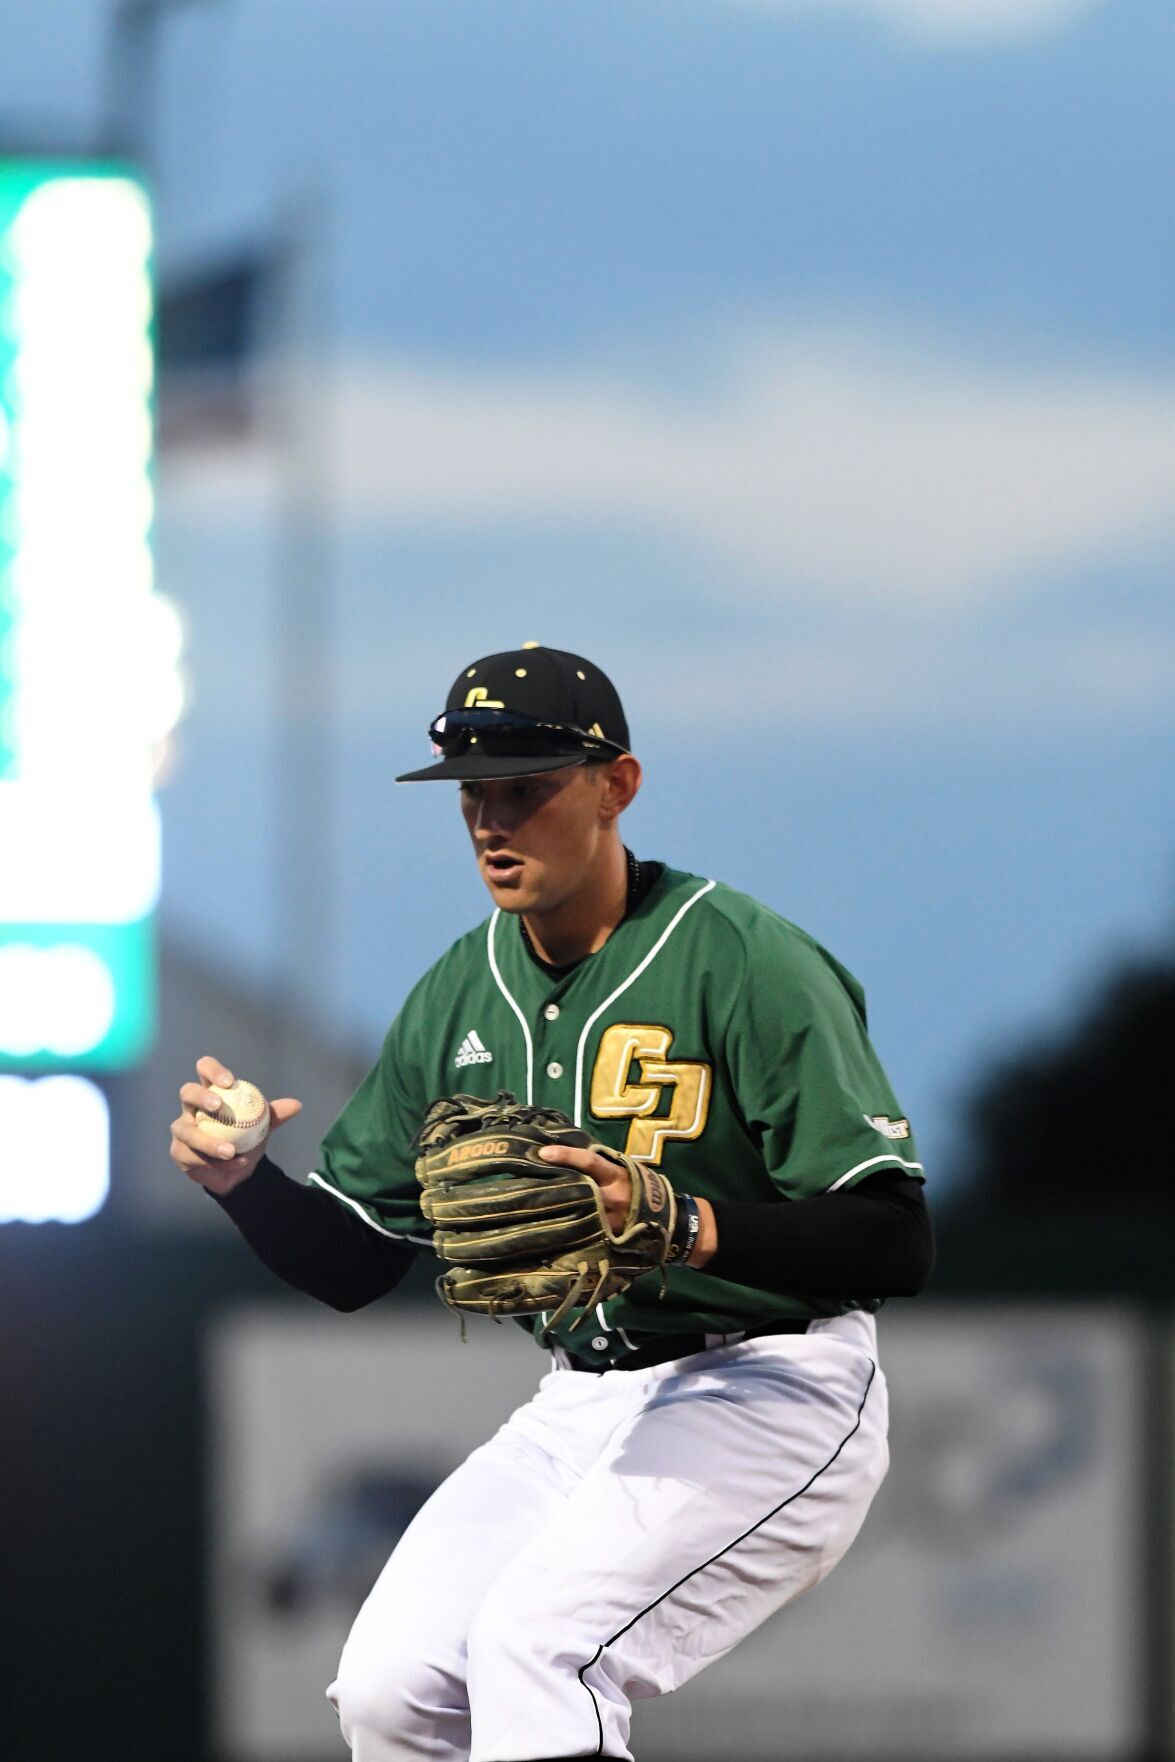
511 897
511 889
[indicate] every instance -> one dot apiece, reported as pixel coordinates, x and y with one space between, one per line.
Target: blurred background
810 364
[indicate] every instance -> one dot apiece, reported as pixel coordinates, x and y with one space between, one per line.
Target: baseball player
703 1446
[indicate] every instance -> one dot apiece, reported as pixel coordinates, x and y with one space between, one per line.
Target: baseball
243 1117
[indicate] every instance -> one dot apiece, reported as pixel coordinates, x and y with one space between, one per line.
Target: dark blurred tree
1087 1121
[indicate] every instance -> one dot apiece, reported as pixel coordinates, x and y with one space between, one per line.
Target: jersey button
600 1343
552 1012
554 1069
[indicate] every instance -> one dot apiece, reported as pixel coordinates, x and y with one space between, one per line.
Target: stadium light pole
295 424
306 635
132 75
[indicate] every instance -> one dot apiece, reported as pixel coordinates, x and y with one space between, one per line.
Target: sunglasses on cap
507 735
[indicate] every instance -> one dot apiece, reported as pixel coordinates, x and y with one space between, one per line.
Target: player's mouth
502 867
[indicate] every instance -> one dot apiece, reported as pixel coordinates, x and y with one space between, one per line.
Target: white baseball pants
617 1534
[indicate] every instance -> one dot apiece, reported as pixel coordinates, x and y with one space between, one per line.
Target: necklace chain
630 899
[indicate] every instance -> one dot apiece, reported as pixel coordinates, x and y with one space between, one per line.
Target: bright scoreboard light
89 652
56 1162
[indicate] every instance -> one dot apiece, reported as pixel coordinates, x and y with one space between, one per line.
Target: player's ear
619 784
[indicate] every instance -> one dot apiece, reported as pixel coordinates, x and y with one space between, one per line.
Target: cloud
845 470
956 23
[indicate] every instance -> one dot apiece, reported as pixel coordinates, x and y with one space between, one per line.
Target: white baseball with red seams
618 1533
242 1119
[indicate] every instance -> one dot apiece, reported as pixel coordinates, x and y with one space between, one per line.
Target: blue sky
522 178
811 366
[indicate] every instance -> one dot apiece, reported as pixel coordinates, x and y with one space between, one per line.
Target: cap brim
471 766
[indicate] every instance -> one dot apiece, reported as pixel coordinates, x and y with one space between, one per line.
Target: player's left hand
613 1180
615 1184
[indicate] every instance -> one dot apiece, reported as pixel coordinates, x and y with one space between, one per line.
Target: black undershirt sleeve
313 1241
873 1239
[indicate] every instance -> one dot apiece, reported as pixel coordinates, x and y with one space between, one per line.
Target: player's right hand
197 1153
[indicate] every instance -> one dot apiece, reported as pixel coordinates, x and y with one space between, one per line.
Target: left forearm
873 1240
877 1244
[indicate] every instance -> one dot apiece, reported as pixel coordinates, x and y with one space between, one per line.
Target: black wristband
685 1229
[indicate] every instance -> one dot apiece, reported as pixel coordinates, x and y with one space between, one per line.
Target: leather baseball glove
524 1236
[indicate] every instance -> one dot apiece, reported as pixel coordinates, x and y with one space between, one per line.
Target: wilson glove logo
482 1148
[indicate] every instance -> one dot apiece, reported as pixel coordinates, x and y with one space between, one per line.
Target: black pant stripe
694 1570
599 1749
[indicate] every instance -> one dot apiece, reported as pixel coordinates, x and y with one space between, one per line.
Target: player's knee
397 1699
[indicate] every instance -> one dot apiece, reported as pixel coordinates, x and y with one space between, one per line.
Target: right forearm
312 1241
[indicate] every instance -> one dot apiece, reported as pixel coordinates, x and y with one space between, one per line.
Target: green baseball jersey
709 1037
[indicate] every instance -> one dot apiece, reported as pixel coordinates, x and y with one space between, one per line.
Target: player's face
538 839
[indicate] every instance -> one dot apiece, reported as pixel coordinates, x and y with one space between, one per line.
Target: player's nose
492 820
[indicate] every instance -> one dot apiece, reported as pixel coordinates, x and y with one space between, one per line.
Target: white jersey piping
609 1326
396 1235
872 1163
501 984
635 974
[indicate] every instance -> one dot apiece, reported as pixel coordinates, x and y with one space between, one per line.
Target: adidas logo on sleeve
472 1052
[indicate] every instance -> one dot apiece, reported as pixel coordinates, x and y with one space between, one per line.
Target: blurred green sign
89 683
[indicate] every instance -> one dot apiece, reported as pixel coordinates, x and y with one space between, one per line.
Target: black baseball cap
526 711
